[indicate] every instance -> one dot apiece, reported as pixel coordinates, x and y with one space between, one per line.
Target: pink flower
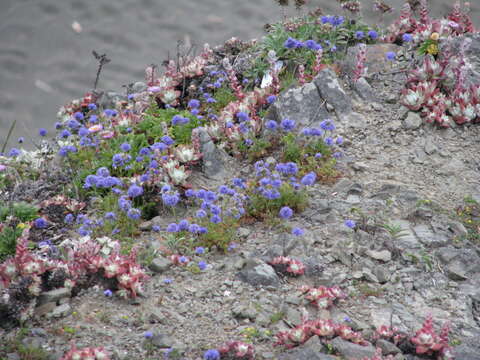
95 128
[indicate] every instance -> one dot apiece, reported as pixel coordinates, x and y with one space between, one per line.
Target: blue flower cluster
292 43
102 180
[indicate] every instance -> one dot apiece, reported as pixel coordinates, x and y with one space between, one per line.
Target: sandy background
44 62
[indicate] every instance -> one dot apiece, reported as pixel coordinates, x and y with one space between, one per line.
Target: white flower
178 175
185 153
470 112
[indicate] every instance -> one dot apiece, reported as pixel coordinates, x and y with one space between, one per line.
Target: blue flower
297 231
339 140
327 125
170 200
148 335
312 45
14 152
73 124
286 212
183 259
177 120
65 134
407 37
155 228
172 227
328 141
21 140
242 116
134 214
199 250
359 35
290 43
168 140
144 151
215 219
108 112
42 132
134 191
271 125
93 119
190 193
83 131
40 223
110 215
350 223
92 106
390 55
193 103
309 179
125 147
287 124
201 213
373 34
183 225
68 219
108 293
202 265
78 116
337 154
159 146
271 99
167 281
211 354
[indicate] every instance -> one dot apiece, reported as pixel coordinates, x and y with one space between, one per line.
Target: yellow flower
432 49
21 226
435 36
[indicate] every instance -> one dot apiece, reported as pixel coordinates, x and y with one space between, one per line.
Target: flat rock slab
259 273
330 90
302 104
351 351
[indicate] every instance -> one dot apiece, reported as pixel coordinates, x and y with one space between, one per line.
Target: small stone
45 309
413 121
352 351
387 347
257 273
383 255
243 232
160 265
161 341
54 295
60 311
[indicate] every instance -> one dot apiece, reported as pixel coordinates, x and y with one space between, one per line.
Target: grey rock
54 295
160 265
352 351
353 120
243 232
109 99
33 341
460 264
139 87
311 350
293 317
161 340
429 147
387 347
427 236
382 274
452 167
413 121
364 90
60 311
245 312
257 272
214 160
330 89
383 255
301 104
45 308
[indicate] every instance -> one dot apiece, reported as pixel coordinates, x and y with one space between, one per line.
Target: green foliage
224 96
258 150
395 230
18 213
292 151
302 29
260 207
219 235
469 215
8 241
21 211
